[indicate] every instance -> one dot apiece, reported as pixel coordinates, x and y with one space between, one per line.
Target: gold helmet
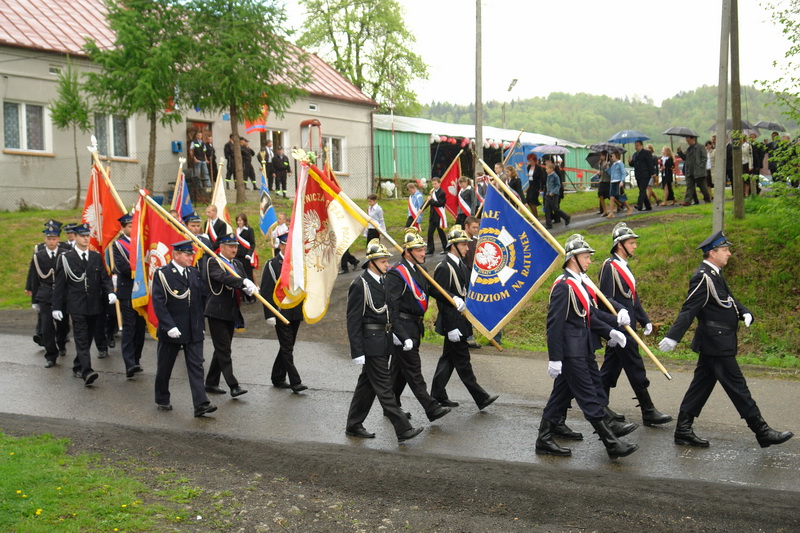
576 245
375 250
412 239
456 234
621 233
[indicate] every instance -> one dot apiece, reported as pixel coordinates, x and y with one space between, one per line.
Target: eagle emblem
319 242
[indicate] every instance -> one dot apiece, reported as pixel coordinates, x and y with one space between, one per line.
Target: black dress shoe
409 434
89 379
438 413
62 352
474 346
237 391
38 340
204 409
282 385
447 403
102 354
164 406
487 402
299 388
359 432
215 390
49 364
111 342
132 371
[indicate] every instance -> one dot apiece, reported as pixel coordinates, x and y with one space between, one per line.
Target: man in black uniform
223 313
287 334
281 167
248 171
176 302
408 300
452 275
194 224
62 328
718 314
618 283
571 320
42 276
230 169
369 329
83 289
133 324
436 202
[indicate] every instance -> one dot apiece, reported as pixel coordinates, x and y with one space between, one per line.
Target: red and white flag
450 185
101 211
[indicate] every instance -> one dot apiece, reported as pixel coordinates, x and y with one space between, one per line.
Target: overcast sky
643 47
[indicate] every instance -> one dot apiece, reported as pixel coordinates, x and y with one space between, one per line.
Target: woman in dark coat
245 234
536 178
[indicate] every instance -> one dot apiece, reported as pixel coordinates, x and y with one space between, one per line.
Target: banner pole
513 146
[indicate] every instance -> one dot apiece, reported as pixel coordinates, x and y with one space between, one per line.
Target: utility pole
722 104
737 185
478 84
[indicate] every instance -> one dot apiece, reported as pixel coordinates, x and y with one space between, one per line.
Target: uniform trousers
84 328
166 353
434 227
711 369
221 363
133 326
284 361
374 381
629 359
101 330
579 379
48 331
406 368
62 332
455 355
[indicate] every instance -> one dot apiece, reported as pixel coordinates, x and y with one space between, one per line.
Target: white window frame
109 119
327 142
47 126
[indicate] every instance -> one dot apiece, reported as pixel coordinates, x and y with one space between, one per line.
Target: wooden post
722 104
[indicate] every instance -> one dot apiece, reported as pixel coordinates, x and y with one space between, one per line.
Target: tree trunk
77 168
237 157
151 154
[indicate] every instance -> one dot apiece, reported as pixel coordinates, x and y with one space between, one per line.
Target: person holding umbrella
644 168
617 173
694 170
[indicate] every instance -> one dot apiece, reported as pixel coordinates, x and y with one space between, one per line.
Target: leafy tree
71 111
367 42
140 73
242 61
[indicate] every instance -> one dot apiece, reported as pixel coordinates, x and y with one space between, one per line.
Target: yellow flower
38 512
12 453
24 495
58 488
124 505
19 492
115 529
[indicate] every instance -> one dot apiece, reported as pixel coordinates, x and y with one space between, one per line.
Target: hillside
590 118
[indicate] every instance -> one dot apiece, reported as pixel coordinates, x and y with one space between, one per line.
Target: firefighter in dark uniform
718 314
287 334
83 289
571 320
42 276
369 328
452 275
618 283
133 324
224 314
194 224
176 303
408 300
62 327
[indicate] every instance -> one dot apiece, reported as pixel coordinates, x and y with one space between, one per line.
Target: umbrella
628 136
745 125
771 126
549 149
594 160
681 132
608 147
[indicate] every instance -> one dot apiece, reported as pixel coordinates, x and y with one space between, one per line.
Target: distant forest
587 118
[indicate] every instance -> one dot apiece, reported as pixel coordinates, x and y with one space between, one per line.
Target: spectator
211 154
197 152
654 179
514 183
375 211
604 184
281 167
644 168
248 172
617 173
667 167
552 199
536 179
265 157
227 151
694 169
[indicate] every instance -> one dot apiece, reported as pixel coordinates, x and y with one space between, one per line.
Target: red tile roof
61 27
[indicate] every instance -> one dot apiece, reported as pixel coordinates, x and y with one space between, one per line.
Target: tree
71 111
368 43
241 62
140 73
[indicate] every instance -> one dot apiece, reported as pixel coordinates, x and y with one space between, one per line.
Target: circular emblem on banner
492 256
157 257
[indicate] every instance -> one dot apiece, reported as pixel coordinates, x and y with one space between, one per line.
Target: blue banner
267 210
512 260
186 208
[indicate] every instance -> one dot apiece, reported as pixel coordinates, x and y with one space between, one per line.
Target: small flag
450 186
101 211
181 200
266 209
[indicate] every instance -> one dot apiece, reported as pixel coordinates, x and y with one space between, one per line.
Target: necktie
52 255
83 257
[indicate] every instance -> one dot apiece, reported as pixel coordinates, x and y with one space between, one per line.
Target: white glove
553 369
360 360
623 318
174 333
114 281
271 321
35 307
667 344
648 328
460 305
58 315
748 319
249 287
396 341
112 298
617 338
454 335
408 345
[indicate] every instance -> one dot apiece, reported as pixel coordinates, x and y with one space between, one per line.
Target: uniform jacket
249 235
42 276
614 286
77 294
281 165
364 340
220 228
710 300
403 300
225 291
438 199
454 279
269 277
176 302
122 268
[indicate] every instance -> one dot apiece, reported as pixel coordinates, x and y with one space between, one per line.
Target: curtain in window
11 125
34 120
101 133
120 125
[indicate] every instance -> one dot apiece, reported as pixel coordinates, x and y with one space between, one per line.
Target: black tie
52 255
83 257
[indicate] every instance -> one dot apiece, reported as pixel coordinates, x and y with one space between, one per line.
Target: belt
378 327
720 325
406 316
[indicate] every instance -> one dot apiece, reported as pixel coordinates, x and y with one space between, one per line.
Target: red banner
101 211
450 186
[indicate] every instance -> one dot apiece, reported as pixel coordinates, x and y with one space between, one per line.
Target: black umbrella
680 131
771 126
608 147
745 125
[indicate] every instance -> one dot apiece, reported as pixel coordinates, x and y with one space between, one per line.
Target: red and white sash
416 290
463 204
253 255
413 212
626 278
442 217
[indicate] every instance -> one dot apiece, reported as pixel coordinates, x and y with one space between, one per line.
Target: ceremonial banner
511 261
266 209
181 201
450 185
152 237
258 124
517 157
323 227
101 211
219 199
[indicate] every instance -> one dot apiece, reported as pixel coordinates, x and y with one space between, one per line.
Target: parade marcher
618 284
415 203
246 253
472 226
408 291
437 218
69 231
224 314
571 319
287 333
194 224
42 276
452 275
83 289
369 329
466 200
718 314
133 324
215 227
177 305
62 327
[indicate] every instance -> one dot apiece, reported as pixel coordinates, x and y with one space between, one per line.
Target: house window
335 150
113 135
24 126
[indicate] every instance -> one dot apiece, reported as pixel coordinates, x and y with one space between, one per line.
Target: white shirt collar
179 268
712 265
375 276
454 258
579 279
